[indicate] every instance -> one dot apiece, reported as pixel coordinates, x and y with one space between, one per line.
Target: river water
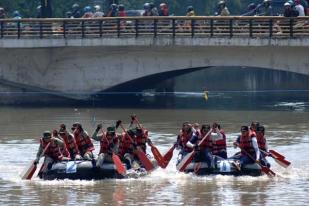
287 132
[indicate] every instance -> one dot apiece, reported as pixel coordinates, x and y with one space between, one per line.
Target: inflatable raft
87 170
223 167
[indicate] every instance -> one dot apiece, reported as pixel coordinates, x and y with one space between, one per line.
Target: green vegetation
177 7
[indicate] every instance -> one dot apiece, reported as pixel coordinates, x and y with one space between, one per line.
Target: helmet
254 125
76 125
38 7
46 134
146 6
75 6
221 3
1 9
251 6
287 4
205 127
244 129
87 9
55 132
190 8
121 7
97 7
110 130
62 128
16 13
260 129
138 130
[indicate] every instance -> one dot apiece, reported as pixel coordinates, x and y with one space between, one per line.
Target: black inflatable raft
223 167
86 170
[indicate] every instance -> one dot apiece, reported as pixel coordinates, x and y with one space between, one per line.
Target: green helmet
110 130
46 134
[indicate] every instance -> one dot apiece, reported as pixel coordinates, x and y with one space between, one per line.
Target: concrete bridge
77 62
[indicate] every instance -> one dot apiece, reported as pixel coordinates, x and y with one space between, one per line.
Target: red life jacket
122 13
246 144
207 144
140 140
125 145
261 140
105 143
219 145
70 144
53 150
184 138
83 142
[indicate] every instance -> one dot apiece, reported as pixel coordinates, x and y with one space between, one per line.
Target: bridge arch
78 68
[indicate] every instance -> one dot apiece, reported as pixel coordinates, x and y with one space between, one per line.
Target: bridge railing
199 26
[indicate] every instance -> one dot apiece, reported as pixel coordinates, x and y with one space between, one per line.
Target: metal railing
199 26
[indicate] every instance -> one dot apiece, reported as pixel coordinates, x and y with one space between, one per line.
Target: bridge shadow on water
232 88
228 88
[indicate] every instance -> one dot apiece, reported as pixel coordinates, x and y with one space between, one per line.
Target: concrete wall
77 68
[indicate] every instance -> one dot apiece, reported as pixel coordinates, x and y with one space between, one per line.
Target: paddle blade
282 162
268 171
157 155
185 161
40 167
144 160
168 156
28 173
276 154
119 166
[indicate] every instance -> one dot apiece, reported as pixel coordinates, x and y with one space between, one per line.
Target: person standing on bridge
299 8
46 9
266 9
87 12
2 13
98 13
76 11
222 9
289 11
113 11
163 10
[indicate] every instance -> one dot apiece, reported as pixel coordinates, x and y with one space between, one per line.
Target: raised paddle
265 169
141 155
189 157
281 161
27 174
116 159
156 153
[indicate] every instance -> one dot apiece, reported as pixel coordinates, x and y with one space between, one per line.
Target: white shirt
256 147
300 9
